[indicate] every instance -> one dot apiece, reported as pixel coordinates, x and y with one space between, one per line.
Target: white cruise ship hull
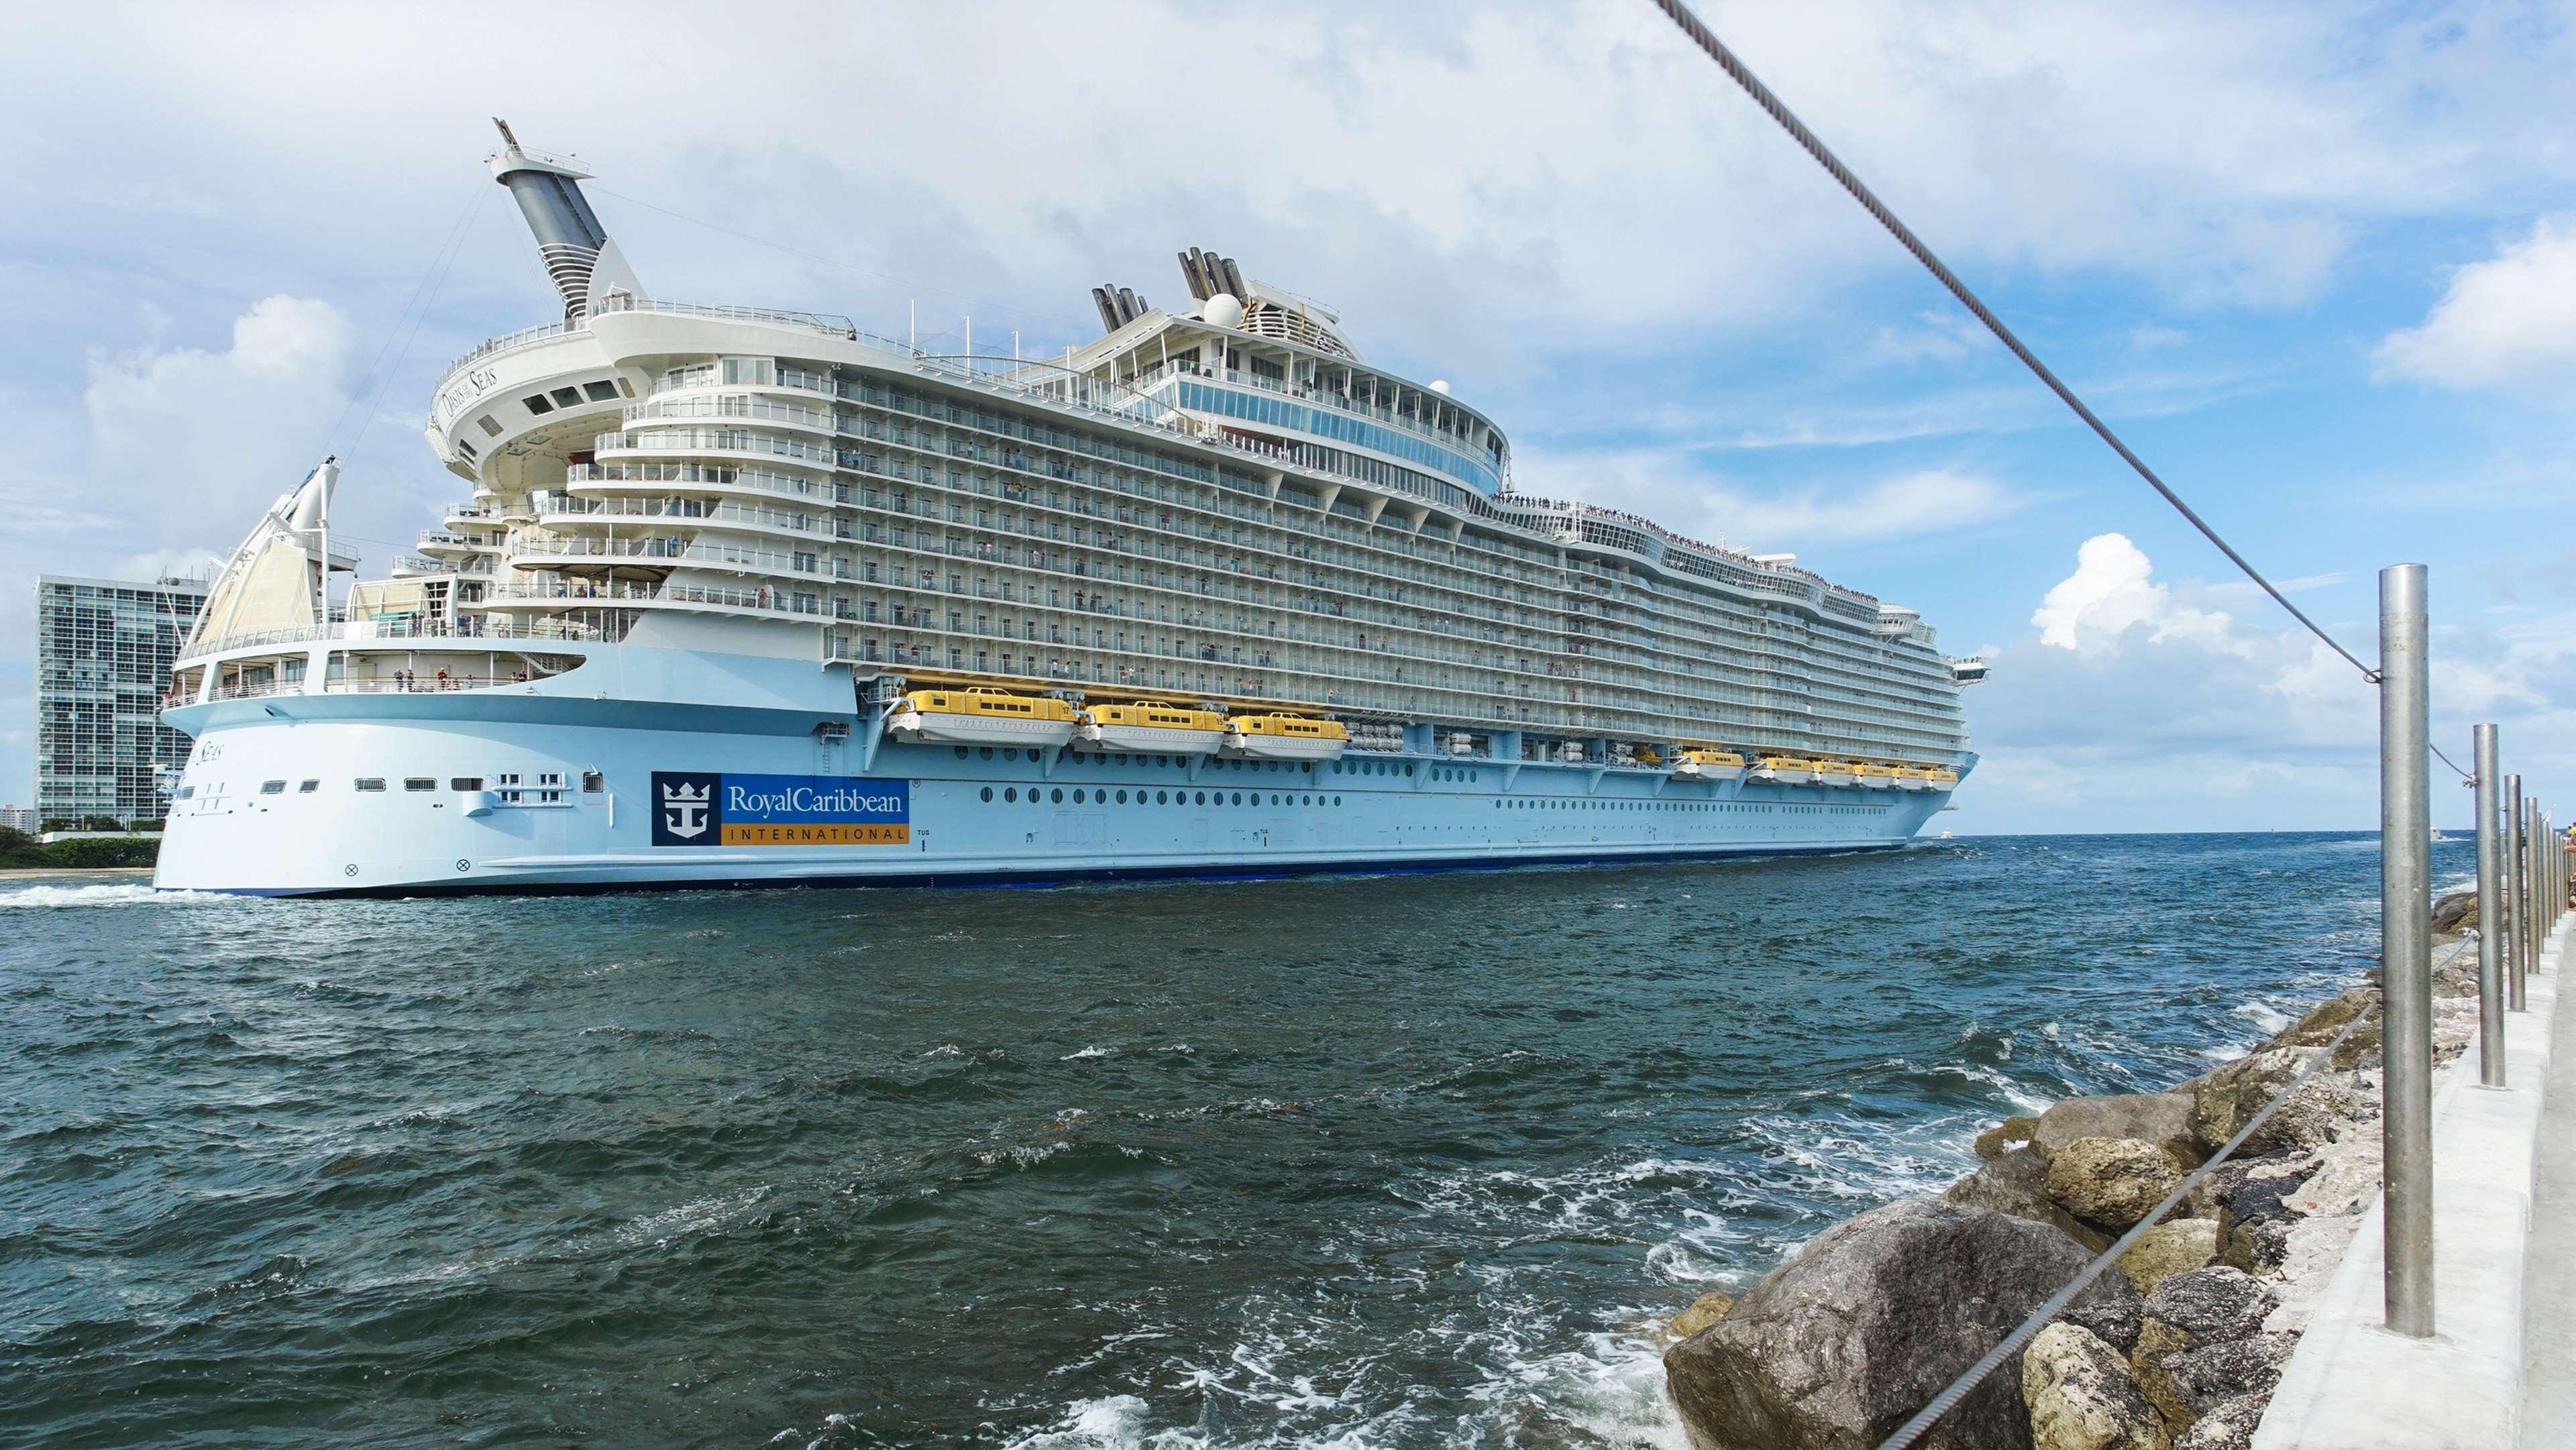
769 774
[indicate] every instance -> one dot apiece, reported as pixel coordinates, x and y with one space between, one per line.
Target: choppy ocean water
1400 1160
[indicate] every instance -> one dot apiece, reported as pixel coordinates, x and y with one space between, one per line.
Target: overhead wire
436 268
1680 14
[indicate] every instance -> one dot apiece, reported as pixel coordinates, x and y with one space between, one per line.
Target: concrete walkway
2549 1294
2352 1385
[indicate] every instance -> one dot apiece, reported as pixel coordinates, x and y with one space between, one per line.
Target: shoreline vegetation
2178 1348
22 855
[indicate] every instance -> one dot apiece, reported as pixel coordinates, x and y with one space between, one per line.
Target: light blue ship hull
789 781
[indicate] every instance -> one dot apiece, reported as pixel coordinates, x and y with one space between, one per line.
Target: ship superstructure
720 560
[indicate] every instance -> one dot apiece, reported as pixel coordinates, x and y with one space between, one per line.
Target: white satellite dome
1440 386
1222 310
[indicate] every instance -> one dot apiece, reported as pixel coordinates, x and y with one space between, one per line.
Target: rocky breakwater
2178 1349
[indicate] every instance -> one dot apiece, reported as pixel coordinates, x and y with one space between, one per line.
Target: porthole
961 752
988 752
1057 795
1160 797
1010 795
1202 798
1122 797
988 792
1337 800
1077 797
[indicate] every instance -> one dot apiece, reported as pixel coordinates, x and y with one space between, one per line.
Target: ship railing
392 632
829 324
509 340
613 592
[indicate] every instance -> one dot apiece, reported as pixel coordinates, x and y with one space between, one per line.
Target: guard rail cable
1680 14
1948 1400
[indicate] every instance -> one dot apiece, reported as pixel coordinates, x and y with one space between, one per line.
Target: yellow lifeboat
1709 765
1913 777
1151 725
1278 736
1837 773
1784 769
981 716
1874 776
1944 778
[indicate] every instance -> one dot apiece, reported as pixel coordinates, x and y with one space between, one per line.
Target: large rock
2000 1139
2457 910
2081 1397
2017 1183
2163 1119
2254 1222
2216 1305
2229 1427
2224 1098
2205 1377
1703 1311
2111 1181
2326 1019
2176 1246
1840 1345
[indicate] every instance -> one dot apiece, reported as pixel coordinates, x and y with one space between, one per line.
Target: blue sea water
1400 1160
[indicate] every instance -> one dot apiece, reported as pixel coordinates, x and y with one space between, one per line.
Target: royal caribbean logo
705 808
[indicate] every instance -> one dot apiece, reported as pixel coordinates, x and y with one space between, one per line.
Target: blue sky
2317 262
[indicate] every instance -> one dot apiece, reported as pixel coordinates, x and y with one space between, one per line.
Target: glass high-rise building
103 654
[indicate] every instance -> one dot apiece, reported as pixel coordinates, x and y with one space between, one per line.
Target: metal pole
2535 897
2514 901
2406 949
2490 913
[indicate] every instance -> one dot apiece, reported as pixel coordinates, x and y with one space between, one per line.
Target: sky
2317 263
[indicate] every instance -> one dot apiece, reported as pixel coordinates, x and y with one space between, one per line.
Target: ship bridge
1275 371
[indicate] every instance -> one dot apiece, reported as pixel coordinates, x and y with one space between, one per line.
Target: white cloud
2131 702
2154 336
2112 591
188 445
2509 321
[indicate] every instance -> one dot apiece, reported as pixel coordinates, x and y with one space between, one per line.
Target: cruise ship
739 597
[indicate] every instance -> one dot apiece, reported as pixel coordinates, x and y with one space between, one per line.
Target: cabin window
536 403
184 792
988 792
465 782
371 783
308 787
592 782
420 782
272 787
600 392
1058 795
567 397
490 428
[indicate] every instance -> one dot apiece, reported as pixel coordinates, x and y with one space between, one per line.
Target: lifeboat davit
1840 773
1144 725
1286 737
981 717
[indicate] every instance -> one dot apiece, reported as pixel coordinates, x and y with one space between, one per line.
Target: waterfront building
104 649
22 818
747 595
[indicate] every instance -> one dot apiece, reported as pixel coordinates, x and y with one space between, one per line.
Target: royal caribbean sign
710 808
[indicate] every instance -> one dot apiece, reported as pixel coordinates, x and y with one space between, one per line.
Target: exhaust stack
579 257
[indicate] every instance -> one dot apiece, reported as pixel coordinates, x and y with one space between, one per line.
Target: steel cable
1948 1400
1681 15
